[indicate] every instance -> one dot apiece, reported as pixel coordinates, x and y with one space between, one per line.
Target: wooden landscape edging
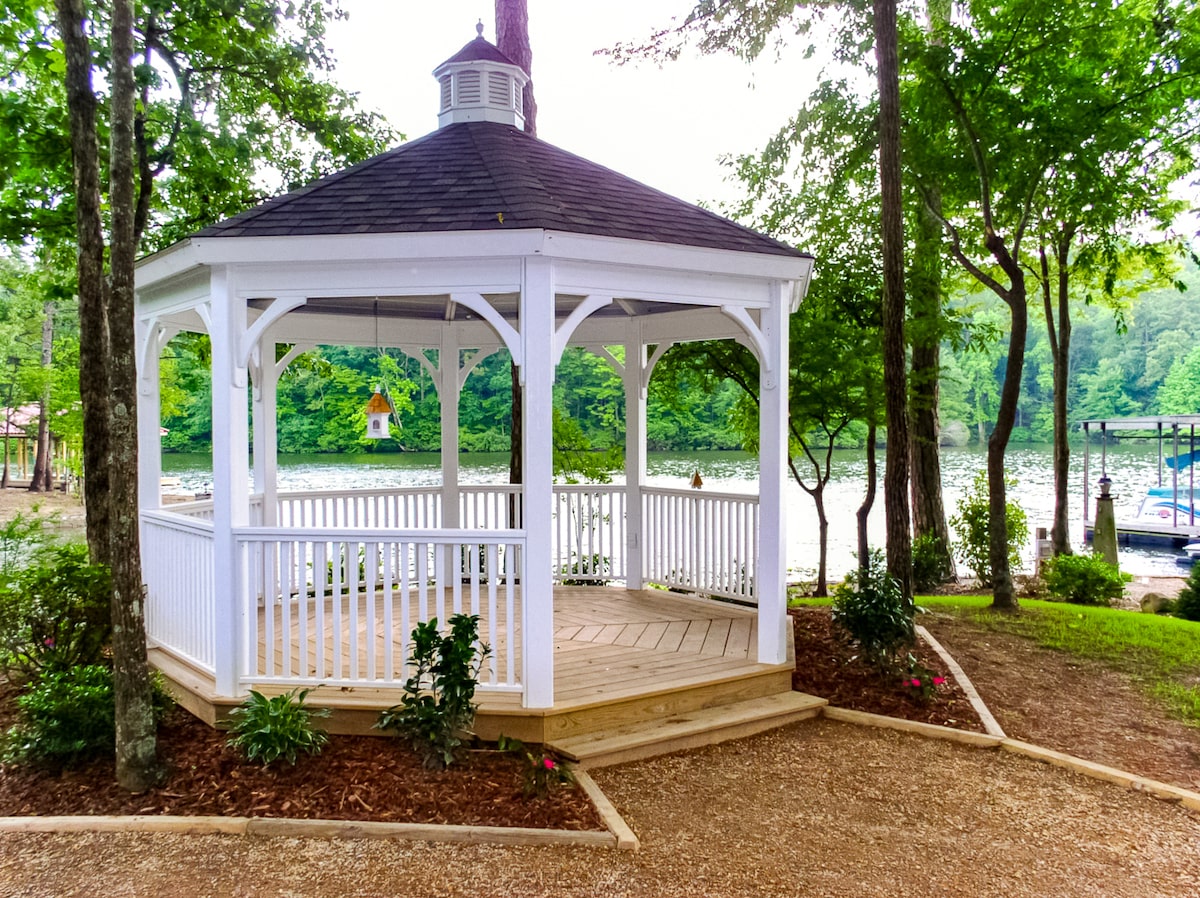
617 833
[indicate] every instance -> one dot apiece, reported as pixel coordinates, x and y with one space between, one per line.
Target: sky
665 126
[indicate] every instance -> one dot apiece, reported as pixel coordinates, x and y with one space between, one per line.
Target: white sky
663 126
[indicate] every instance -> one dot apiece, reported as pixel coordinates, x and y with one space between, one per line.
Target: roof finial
479 28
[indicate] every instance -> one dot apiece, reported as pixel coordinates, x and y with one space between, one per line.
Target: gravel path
819 808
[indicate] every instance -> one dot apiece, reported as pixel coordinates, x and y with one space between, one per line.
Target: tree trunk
864 510
822 588
93 323
1060 352
137 761
895 477
1004 596
41 479
925 302
512 39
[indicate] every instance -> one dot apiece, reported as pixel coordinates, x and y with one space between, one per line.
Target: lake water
1132 466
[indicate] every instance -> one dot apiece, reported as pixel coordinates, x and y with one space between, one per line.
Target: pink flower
916 683
548 763
938 681
48 642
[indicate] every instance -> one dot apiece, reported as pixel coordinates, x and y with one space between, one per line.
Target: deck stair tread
687 729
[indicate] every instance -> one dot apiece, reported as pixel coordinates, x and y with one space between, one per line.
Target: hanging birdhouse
696 481
378 411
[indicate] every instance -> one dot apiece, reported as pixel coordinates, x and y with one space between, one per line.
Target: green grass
1160 653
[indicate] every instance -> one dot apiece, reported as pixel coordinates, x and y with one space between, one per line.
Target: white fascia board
185 290
369 247
167 263
676 327
620 251
390 277
692 288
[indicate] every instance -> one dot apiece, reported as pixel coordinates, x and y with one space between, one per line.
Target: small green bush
438 708
55 613
1187 605
973 527
267 729
871 608
930 562
1083 579
541 771
67 716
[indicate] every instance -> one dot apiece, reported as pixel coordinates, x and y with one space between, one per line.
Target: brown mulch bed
353 778
827 666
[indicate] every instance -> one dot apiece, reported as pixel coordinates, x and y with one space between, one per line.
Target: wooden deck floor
619 656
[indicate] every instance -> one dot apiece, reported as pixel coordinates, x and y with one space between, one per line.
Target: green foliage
55 613
1187 605
438 708
920 681
973 527
541 771
266 729
871 609
1083 579
929 554
67 716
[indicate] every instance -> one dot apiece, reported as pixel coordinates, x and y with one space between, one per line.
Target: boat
1167 505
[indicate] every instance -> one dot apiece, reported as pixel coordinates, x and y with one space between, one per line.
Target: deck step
707 726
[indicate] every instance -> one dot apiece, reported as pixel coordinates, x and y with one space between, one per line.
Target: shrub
871 608
67 716
972 526
1187 605
930 563
266 729
1083 579
541 771
55 613
437 709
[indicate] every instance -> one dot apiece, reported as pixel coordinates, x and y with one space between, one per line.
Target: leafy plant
541 771
922 681
1083 579
267 729
929 562
1187 605
974 530
67 716
581 570
871 608
437 709
55 613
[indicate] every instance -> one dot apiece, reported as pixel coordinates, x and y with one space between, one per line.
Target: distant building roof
478 50
474 176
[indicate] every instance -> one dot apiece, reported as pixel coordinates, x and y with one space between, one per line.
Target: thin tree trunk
895 477
137 761
822 588
1060 352
41 479
864 510
93 323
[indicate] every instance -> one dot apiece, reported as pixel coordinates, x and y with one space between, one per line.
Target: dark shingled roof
474 176
479 50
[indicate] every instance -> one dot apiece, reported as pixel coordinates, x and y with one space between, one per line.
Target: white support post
230 486
770 584
149 418
266 437
448 392
635 452
537 621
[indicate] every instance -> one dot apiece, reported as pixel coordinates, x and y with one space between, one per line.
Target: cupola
480 84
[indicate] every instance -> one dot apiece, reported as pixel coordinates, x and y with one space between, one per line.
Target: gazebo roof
486 176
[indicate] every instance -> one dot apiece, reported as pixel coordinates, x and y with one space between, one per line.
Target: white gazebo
470 240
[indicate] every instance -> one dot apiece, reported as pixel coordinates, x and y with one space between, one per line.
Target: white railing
177 566
700 541
589 533
407 508
491 506
337 607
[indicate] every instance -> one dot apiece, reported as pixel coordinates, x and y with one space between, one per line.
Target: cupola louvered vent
500 90
480 84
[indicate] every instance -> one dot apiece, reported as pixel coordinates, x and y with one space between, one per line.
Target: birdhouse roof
377 405
487 176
